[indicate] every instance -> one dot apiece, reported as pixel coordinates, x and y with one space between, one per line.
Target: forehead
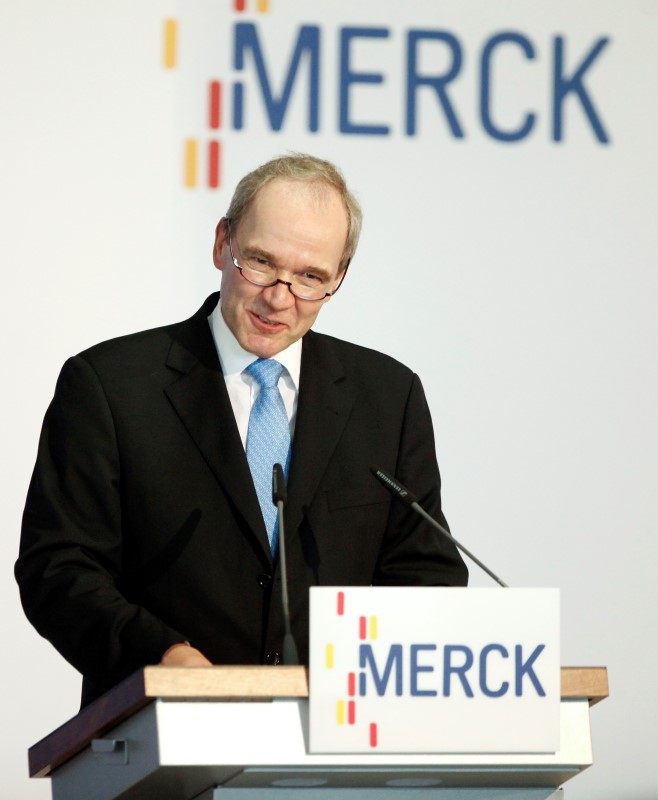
307 217
283 197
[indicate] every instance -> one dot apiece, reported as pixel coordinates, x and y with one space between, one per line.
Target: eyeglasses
304 285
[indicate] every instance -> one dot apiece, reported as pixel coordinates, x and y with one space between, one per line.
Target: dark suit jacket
142 527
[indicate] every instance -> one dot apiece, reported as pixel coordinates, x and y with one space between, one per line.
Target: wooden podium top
220 683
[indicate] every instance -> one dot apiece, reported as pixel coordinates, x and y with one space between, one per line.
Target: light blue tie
268 439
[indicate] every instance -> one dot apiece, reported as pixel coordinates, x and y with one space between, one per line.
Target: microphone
279 491
405 496
279 497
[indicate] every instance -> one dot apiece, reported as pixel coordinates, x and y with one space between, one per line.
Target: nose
279 295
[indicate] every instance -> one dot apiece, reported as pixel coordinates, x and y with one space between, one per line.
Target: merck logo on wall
434 670
434 68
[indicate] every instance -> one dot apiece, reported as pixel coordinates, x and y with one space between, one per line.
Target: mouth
265 323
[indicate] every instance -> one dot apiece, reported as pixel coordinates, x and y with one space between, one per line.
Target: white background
519 280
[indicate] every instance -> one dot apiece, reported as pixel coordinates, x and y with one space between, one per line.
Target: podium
241 733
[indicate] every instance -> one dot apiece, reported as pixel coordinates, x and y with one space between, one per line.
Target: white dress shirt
242 388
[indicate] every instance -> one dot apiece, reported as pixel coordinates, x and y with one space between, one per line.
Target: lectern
241 733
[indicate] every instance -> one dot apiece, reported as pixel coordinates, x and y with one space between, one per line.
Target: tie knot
266 371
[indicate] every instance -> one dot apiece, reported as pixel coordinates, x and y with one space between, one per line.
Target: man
146 538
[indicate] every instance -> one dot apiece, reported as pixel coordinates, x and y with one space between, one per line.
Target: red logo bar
340 605
213 164
215 104
373 734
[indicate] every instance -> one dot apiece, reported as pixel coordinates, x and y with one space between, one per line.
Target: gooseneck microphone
405 496
279 497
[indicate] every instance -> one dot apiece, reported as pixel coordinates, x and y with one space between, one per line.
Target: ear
339 280
220 243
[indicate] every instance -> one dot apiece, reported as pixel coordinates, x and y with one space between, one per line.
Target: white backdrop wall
517 277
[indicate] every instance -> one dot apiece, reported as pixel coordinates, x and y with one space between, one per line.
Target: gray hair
300 167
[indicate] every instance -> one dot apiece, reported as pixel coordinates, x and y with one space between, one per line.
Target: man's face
299 227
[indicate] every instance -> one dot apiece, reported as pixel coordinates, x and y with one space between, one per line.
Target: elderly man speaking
149 534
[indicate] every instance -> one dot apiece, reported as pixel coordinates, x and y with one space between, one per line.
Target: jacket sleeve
414 553
70 561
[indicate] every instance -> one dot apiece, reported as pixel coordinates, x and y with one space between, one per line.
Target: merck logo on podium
434 670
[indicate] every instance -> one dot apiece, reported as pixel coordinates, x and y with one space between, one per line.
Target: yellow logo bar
191 158
170 39
329 656
340 712
373 628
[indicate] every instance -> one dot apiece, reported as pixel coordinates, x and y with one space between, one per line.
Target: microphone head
395 487
279 492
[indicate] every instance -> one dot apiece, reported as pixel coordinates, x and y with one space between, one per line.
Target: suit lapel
201 401
199 397
325 401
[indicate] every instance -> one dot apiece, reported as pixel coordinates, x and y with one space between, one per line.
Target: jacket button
265 581
273 657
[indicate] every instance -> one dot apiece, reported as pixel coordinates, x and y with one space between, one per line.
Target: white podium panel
242 733
178 750
428 792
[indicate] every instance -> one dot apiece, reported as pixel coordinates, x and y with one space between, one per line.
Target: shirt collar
234 359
